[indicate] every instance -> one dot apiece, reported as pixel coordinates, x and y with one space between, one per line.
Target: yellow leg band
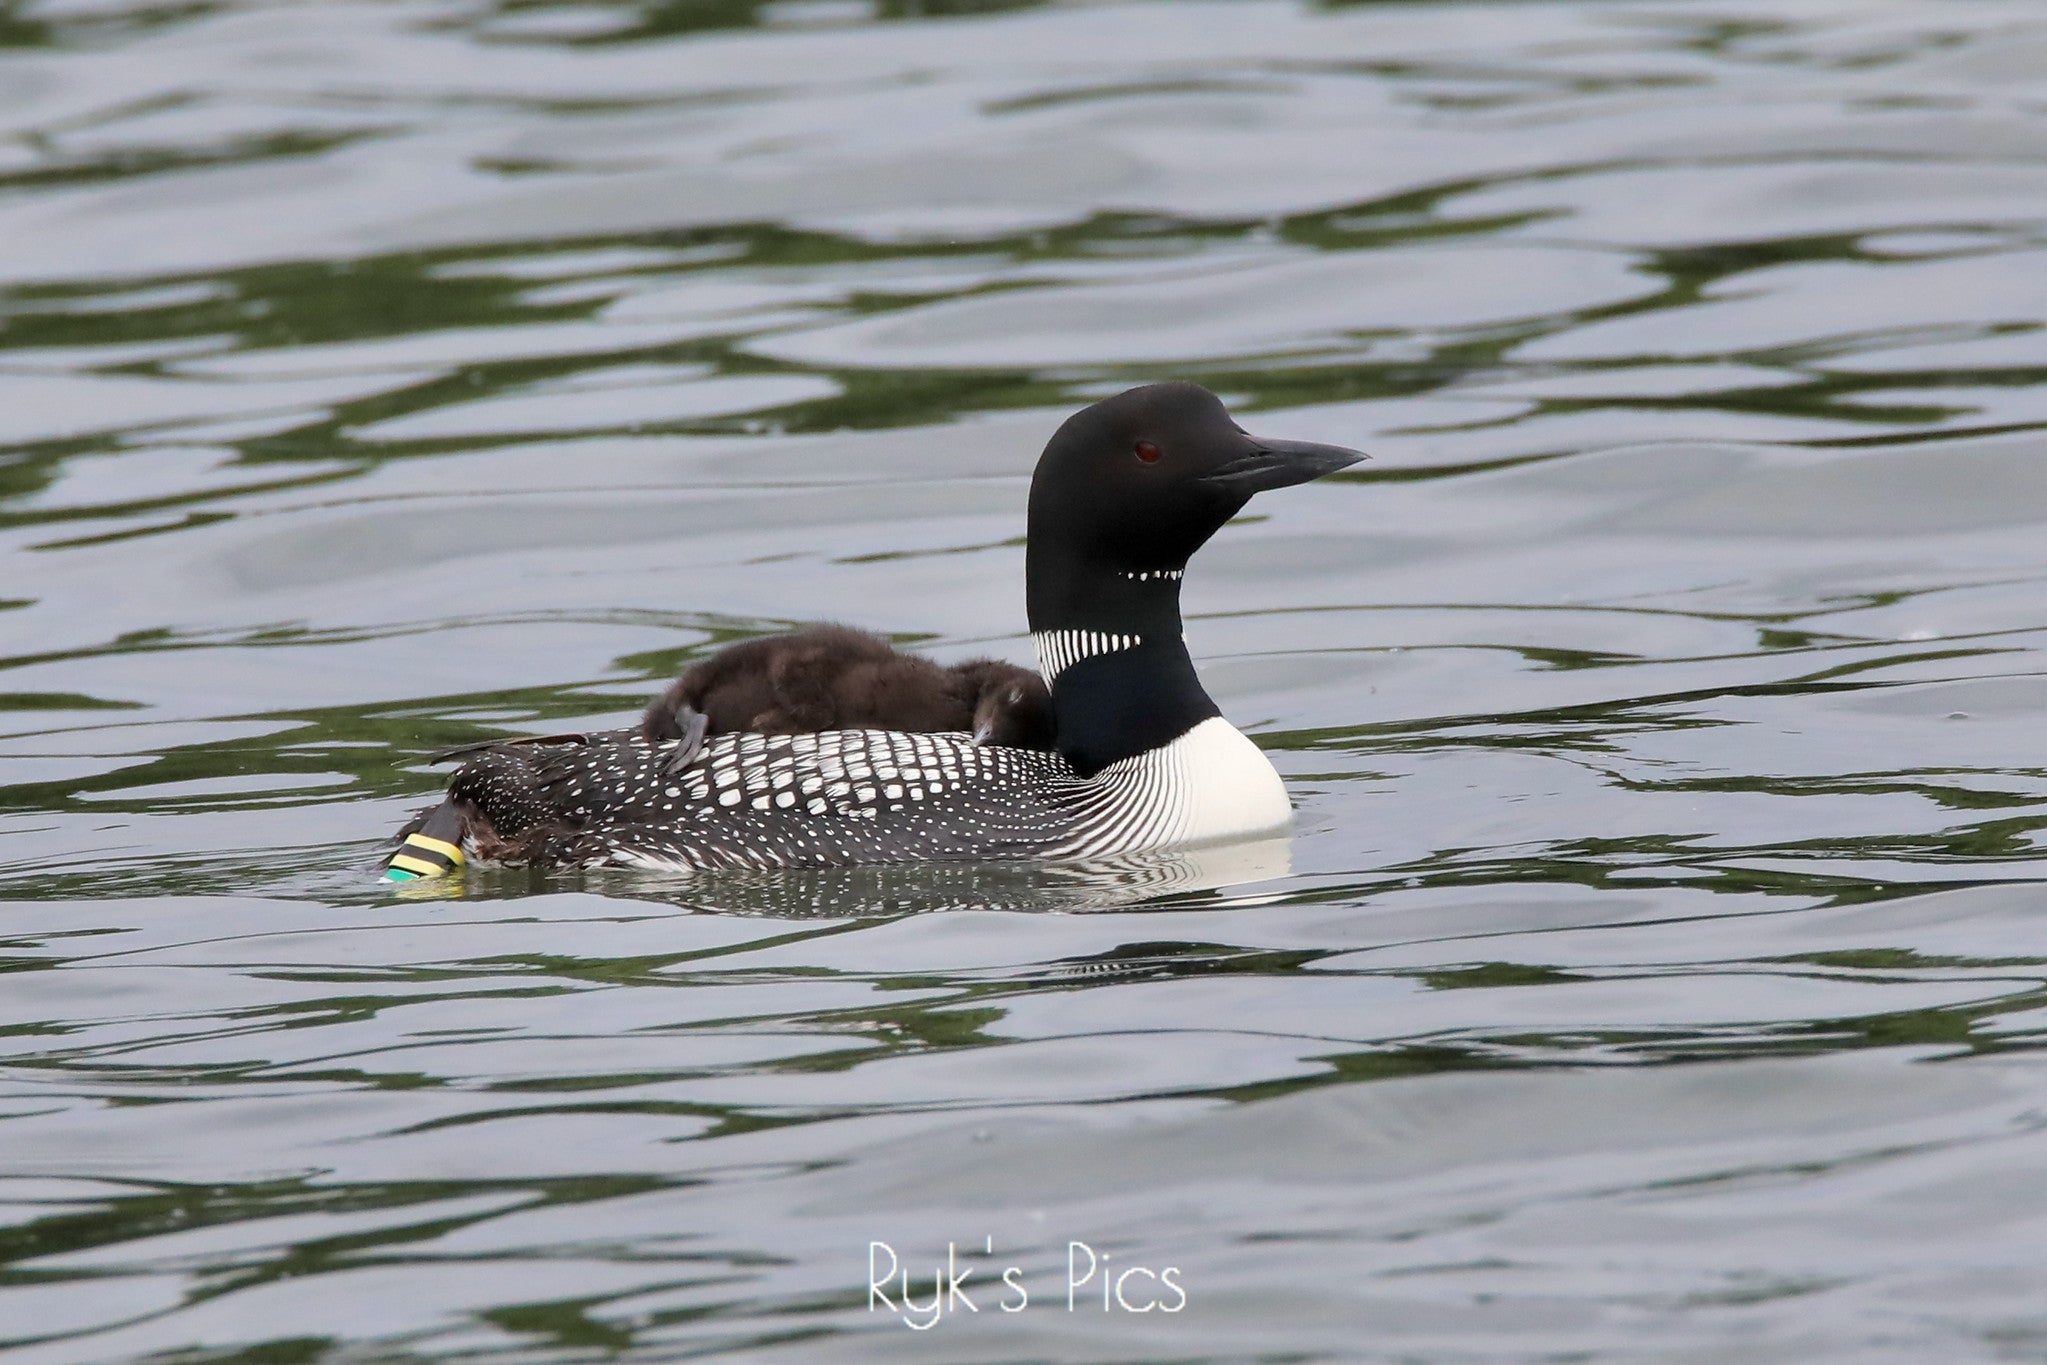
419 865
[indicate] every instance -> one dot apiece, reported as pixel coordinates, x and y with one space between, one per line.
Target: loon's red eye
1147 452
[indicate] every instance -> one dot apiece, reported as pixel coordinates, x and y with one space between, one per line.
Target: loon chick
837 678
1125 492
1012 706
830 678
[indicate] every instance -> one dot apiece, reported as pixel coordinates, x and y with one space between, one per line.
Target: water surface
1656 972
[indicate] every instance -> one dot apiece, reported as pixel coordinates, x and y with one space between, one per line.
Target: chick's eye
1147 452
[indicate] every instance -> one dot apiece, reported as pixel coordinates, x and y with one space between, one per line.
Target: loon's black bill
1279 464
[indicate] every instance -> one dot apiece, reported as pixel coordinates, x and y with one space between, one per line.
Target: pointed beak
984 732
1278 464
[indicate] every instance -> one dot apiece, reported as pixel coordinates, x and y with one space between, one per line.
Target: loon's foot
695 725
431 848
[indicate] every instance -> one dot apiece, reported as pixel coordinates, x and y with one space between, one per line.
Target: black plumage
834 798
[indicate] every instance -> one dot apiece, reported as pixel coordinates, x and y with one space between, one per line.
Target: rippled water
1658 968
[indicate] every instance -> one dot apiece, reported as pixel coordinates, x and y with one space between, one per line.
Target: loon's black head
1135 484
1125 492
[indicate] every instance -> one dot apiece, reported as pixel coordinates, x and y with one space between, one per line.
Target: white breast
1230 787
1209 785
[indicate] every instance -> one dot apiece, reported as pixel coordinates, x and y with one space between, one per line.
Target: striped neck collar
1112 651
1059 650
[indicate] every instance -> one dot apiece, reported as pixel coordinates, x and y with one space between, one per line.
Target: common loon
1125 492
837 678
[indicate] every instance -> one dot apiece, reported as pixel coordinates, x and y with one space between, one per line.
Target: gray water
1657 972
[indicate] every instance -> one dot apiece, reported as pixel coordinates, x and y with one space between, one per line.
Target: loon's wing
831 798
464 750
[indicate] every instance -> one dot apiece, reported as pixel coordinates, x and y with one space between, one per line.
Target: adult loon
1124 494
837 678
